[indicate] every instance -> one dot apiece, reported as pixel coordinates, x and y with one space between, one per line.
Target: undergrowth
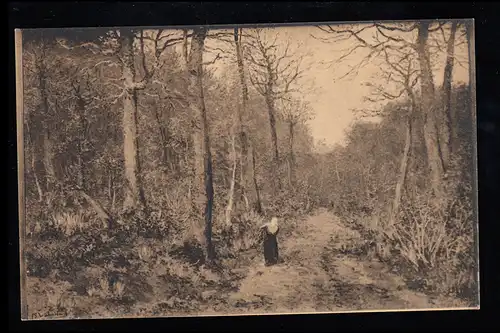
147 263
431 244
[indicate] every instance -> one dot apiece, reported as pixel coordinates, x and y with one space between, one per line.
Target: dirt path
315 276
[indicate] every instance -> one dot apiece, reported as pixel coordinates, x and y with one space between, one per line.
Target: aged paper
236 170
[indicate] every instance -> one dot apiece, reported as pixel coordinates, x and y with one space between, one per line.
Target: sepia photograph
247 170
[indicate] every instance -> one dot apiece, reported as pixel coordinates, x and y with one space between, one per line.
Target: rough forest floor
321 270
317 274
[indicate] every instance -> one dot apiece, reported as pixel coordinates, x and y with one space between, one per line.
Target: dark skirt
270 249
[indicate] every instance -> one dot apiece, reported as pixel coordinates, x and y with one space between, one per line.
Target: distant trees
400 71
274 68
294 112
407 39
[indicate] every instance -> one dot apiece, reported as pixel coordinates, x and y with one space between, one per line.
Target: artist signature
53 313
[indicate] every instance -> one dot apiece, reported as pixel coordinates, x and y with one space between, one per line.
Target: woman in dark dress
270 231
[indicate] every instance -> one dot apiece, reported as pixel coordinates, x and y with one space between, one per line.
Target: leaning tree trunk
247 151
449 128
204 177
102 213
134 195
33 170
431 136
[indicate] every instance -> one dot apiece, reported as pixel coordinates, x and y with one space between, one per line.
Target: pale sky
333 99
336 98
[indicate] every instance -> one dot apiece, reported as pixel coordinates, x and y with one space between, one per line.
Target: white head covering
272 227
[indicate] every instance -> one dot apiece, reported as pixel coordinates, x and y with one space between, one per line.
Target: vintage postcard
236 170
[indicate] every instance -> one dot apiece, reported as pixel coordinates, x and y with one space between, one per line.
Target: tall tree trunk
134 194
291 156
449 128
204 177
191 72
230 199
47 144
168 157
336 166
431 136
258 203
274 139
272 123
241 109
271 109
403 170
247 151
172 155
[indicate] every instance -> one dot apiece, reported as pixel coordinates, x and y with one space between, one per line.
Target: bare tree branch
438 27
403 27
92 47
274 71
346 33
392 38
211 62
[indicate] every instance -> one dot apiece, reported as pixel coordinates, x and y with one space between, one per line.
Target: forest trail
316 276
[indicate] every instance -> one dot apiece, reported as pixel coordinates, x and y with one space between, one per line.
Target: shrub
437 237
68 223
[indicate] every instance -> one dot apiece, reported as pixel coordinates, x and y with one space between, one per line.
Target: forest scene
156 162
